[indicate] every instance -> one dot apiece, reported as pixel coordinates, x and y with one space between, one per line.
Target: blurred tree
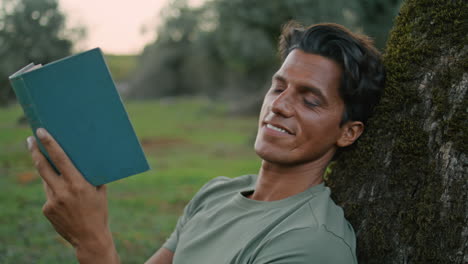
178 62
247 35
227 48
31 31
376 18
404 185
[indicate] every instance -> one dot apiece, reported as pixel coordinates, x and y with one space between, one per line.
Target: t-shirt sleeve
306 246
171 242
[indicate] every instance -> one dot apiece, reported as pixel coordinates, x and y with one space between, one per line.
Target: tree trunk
404 184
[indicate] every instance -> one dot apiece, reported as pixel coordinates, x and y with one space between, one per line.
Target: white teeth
277 128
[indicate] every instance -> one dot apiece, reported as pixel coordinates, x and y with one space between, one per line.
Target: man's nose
283 104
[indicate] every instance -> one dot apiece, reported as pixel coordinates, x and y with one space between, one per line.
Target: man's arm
76 209
162 256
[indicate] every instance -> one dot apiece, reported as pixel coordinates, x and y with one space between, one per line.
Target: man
318 102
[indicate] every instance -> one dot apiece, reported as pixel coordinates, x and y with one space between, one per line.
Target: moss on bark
403 185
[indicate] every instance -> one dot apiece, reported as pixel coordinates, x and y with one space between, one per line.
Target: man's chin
279 157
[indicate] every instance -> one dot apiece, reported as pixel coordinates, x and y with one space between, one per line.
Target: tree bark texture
403 186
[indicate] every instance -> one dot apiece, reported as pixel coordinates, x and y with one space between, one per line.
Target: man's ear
350 132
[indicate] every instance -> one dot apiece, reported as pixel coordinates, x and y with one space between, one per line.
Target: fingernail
41 133
30 140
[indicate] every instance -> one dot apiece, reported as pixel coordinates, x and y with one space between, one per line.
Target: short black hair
363 75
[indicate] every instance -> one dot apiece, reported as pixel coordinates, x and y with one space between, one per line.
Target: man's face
301 113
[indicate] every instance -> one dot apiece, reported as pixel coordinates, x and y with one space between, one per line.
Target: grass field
187 142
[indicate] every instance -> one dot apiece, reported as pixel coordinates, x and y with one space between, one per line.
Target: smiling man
319 101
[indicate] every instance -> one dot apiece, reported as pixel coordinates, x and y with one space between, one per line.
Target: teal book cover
76 100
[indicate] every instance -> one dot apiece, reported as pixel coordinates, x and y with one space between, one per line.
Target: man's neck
276 182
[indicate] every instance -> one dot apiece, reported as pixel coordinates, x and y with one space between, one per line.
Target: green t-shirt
220 225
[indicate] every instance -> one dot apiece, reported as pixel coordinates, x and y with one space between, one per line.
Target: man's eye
311 103
278 90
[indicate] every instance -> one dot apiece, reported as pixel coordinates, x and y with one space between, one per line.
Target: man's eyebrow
279 77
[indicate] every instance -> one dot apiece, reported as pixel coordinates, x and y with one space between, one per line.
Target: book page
30 67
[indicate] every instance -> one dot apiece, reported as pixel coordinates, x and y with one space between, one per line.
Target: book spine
29 108
26 102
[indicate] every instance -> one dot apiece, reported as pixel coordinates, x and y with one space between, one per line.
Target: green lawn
187 142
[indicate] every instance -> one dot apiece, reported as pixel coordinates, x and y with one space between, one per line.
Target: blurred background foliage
32 31
223 49
226 49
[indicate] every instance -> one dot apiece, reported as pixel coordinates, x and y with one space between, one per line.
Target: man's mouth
279 129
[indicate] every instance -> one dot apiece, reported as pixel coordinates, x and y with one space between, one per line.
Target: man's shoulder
330 216
319 217
318 227
331 220
308 244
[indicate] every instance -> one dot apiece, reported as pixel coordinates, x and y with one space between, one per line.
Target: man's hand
76 209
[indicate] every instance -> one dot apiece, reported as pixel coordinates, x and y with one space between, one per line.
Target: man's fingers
47 190
46 171
58 156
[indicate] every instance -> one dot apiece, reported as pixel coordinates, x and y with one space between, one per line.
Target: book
76 101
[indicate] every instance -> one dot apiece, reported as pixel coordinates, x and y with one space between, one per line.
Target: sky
114 25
